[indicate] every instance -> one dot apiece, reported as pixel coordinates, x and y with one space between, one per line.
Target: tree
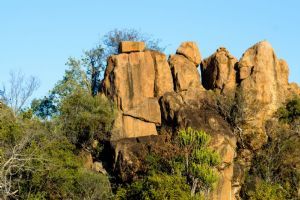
87 71
38 162
198 160
19 91
84 117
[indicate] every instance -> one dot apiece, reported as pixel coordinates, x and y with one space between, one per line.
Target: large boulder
218 72
263 82
184 66
135 81
191 51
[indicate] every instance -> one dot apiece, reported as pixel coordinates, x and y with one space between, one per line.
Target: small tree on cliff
198 160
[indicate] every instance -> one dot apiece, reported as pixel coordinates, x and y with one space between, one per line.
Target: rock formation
263 81
135 81
218 72
150 92
195 108
184 66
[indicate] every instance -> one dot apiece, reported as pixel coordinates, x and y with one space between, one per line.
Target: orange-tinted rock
185 73
134 82
148 111
130 46
163 77
263 86
191 51
218 72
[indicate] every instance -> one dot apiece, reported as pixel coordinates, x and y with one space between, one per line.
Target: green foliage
38 162
264 190
189 175
157 186
291 111
84 117
276 164
86 72
10 130
199 161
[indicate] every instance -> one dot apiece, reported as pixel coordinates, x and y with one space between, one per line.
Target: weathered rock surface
163 76
130 46
130 154
184 72
218 72
263 86
191 51
196 108
134 82
150 91
148 111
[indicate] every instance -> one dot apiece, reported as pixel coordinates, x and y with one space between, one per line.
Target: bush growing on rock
190 174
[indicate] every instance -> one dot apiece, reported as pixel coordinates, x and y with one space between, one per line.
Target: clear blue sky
38 36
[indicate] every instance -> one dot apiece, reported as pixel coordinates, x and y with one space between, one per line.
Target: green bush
264 190
84 117
198 160
38 162
157 186
291 111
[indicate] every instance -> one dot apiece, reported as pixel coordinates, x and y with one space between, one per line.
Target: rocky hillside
231 99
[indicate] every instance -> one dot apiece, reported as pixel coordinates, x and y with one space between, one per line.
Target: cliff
231 100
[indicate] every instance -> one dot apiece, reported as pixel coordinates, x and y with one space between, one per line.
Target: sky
37 37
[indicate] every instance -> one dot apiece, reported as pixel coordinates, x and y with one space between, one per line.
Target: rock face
191 51
218 72
129 154
150 92
263 85
135 81
184 66
195 108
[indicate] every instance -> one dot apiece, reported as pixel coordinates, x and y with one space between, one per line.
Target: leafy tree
84 117
189 175
198 160
274 167
87 71
38 162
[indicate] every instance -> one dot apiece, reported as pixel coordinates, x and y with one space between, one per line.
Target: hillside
161 127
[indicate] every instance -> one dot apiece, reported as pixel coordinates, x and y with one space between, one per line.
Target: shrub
157 186
84 117
291 111
264 190
198 160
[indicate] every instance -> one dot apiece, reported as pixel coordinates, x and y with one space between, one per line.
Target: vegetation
190 175
38 162
41 145
87 71
275 168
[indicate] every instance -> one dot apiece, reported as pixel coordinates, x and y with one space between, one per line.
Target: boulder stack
218 72
184 66
135 81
